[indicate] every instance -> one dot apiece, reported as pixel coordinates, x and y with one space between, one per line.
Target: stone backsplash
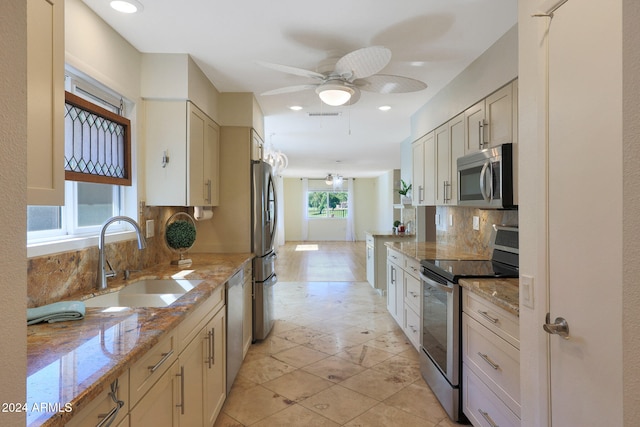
56 277
461 233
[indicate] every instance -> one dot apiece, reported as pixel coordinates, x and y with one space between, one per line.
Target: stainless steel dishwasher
235 310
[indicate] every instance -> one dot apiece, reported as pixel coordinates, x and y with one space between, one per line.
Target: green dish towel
56 312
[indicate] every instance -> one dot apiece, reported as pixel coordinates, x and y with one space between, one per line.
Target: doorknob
558 327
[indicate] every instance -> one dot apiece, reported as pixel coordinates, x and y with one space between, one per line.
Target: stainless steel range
440 358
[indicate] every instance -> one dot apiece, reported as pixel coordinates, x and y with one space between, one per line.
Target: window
327 204
97 164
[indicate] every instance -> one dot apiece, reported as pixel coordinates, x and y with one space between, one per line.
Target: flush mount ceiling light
126 6
329 179
334 93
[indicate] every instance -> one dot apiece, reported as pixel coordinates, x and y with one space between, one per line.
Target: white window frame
315 218
70 237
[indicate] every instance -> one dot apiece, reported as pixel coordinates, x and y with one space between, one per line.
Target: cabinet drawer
481 406
103 405
412 266
395 257
146 371
412 326
189 327
494 360
500 321
412 292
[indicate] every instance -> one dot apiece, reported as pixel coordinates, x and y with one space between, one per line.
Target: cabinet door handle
489 361
109 418
181 404
165 356
486 416
481 125
489 318
420 196
213 346
208 338
207 196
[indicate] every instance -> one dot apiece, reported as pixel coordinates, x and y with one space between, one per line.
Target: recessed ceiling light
384 108
295 108
127 6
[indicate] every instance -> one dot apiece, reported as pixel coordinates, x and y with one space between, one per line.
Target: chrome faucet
101 279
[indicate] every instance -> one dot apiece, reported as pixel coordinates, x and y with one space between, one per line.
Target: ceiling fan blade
384 83
289 89
292 70
363 62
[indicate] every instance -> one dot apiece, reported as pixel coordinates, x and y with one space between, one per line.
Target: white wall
366 195
497 66
13 184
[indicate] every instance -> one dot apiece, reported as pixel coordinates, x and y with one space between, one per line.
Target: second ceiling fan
353 72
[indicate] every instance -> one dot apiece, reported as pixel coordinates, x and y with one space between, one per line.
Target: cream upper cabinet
45 102
442 165
423 159
182 155
456 145
499 116
492 121
474 120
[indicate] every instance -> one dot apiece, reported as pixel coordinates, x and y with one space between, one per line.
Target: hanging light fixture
335 93
329 179
337 181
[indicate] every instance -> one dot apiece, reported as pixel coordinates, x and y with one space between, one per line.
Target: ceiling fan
340 81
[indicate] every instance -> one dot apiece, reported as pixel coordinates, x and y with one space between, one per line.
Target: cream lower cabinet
183 382
412 298
395 285
490 363
247 317
111 406
404 295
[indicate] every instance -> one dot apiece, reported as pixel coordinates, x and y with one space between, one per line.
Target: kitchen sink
144 293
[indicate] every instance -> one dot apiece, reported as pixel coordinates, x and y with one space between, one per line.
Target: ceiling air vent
329 114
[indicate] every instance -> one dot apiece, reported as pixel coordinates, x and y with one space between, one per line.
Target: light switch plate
476 223
526 290
150 228
437 219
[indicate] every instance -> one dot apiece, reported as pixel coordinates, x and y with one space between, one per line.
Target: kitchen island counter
70 363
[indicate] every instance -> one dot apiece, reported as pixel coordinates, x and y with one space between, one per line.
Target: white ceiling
431 40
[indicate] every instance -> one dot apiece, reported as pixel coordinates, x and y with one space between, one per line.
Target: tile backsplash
461 233
56 277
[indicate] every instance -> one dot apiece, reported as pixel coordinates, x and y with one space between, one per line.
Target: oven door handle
433 283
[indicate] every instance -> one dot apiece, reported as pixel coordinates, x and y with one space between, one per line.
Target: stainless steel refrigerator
264 220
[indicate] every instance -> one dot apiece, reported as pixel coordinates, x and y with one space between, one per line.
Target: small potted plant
404 189
180 235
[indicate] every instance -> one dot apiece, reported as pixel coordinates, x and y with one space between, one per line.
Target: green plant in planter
180 234
404 188
396 223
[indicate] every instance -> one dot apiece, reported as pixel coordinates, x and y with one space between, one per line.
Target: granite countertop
430 250
502 292
390 233
69 363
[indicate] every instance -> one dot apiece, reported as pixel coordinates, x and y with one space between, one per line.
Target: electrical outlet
150 228
526 290
476 223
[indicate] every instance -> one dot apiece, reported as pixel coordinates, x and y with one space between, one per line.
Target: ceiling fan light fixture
334 93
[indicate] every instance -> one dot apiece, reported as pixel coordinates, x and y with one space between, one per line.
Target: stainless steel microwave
485 178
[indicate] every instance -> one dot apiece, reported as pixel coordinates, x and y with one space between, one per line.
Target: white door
585 212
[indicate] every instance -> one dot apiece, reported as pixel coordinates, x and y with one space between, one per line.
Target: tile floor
334 358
